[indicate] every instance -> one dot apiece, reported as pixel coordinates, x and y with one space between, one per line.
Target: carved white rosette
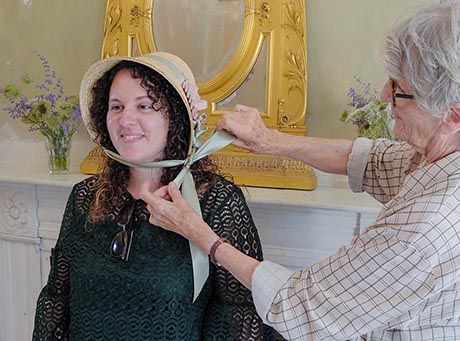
18 209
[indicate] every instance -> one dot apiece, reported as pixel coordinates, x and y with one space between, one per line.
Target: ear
451 119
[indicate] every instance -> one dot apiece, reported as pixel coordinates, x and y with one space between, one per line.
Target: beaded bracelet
212 252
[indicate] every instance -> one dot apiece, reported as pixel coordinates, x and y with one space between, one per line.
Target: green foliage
372 116
374 120
48 110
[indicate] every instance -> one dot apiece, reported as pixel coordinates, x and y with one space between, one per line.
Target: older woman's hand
169 210
248 128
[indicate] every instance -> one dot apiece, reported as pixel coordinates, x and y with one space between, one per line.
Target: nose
127 117
385 94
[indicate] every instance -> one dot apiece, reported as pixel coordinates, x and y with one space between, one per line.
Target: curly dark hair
113 176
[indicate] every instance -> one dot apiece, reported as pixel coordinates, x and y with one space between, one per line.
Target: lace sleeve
231 313
52 313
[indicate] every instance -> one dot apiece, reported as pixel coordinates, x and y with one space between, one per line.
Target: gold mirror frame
128 30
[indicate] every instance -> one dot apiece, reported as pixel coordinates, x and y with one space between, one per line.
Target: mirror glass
252 91
204 33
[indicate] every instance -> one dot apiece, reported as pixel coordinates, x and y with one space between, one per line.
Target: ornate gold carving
280 25
295 12
288 173
296 61
137 14
113 16
112 29
91 164
259 164
262 12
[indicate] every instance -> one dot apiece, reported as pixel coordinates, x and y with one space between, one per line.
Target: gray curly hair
424 49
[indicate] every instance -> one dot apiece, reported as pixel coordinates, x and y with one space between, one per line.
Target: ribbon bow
184 180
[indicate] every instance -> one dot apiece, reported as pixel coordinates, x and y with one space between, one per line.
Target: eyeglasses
395 94
121 243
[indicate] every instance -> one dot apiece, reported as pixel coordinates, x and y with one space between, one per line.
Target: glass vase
58 149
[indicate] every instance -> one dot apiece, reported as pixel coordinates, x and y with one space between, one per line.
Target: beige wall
341 41
342 36
68 33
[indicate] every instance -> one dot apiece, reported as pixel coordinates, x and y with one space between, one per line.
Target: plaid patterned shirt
400 279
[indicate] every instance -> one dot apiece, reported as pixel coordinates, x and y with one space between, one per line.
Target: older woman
400 279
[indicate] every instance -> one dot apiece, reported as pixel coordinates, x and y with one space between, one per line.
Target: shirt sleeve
267 281
357 163
379 167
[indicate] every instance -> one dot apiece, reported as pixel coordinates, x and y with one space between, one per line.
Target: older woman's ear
451 119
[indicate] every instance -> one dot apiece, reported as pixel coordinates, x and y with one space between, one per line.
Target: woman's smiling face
138 131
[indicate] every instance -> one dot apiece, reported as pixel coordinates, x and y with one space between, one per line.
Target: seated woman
113 274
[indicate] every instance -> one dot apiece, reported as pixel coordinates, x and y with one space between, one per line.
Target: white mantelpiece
297 228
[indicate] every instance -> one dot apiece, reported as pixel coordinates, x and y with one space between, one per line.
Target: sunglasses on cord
121 243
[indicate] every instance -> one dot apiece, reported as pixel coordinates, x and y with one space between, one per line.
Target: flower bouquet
56 116
372 116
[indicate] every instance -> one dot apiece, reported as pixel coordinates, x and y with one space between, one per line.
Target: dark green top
92 295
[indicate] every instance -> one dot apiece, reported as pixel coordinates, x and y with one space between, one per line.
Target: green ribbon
184 180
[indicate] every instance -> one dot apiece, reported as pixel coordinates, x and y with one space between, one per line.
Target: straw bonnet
171 67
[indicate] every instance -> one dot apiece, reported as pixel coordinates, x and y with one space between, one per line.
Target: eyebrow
139 98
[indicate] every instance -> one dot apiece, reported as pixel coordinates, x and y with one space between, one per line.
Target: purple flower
65 127
360 99
49 110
